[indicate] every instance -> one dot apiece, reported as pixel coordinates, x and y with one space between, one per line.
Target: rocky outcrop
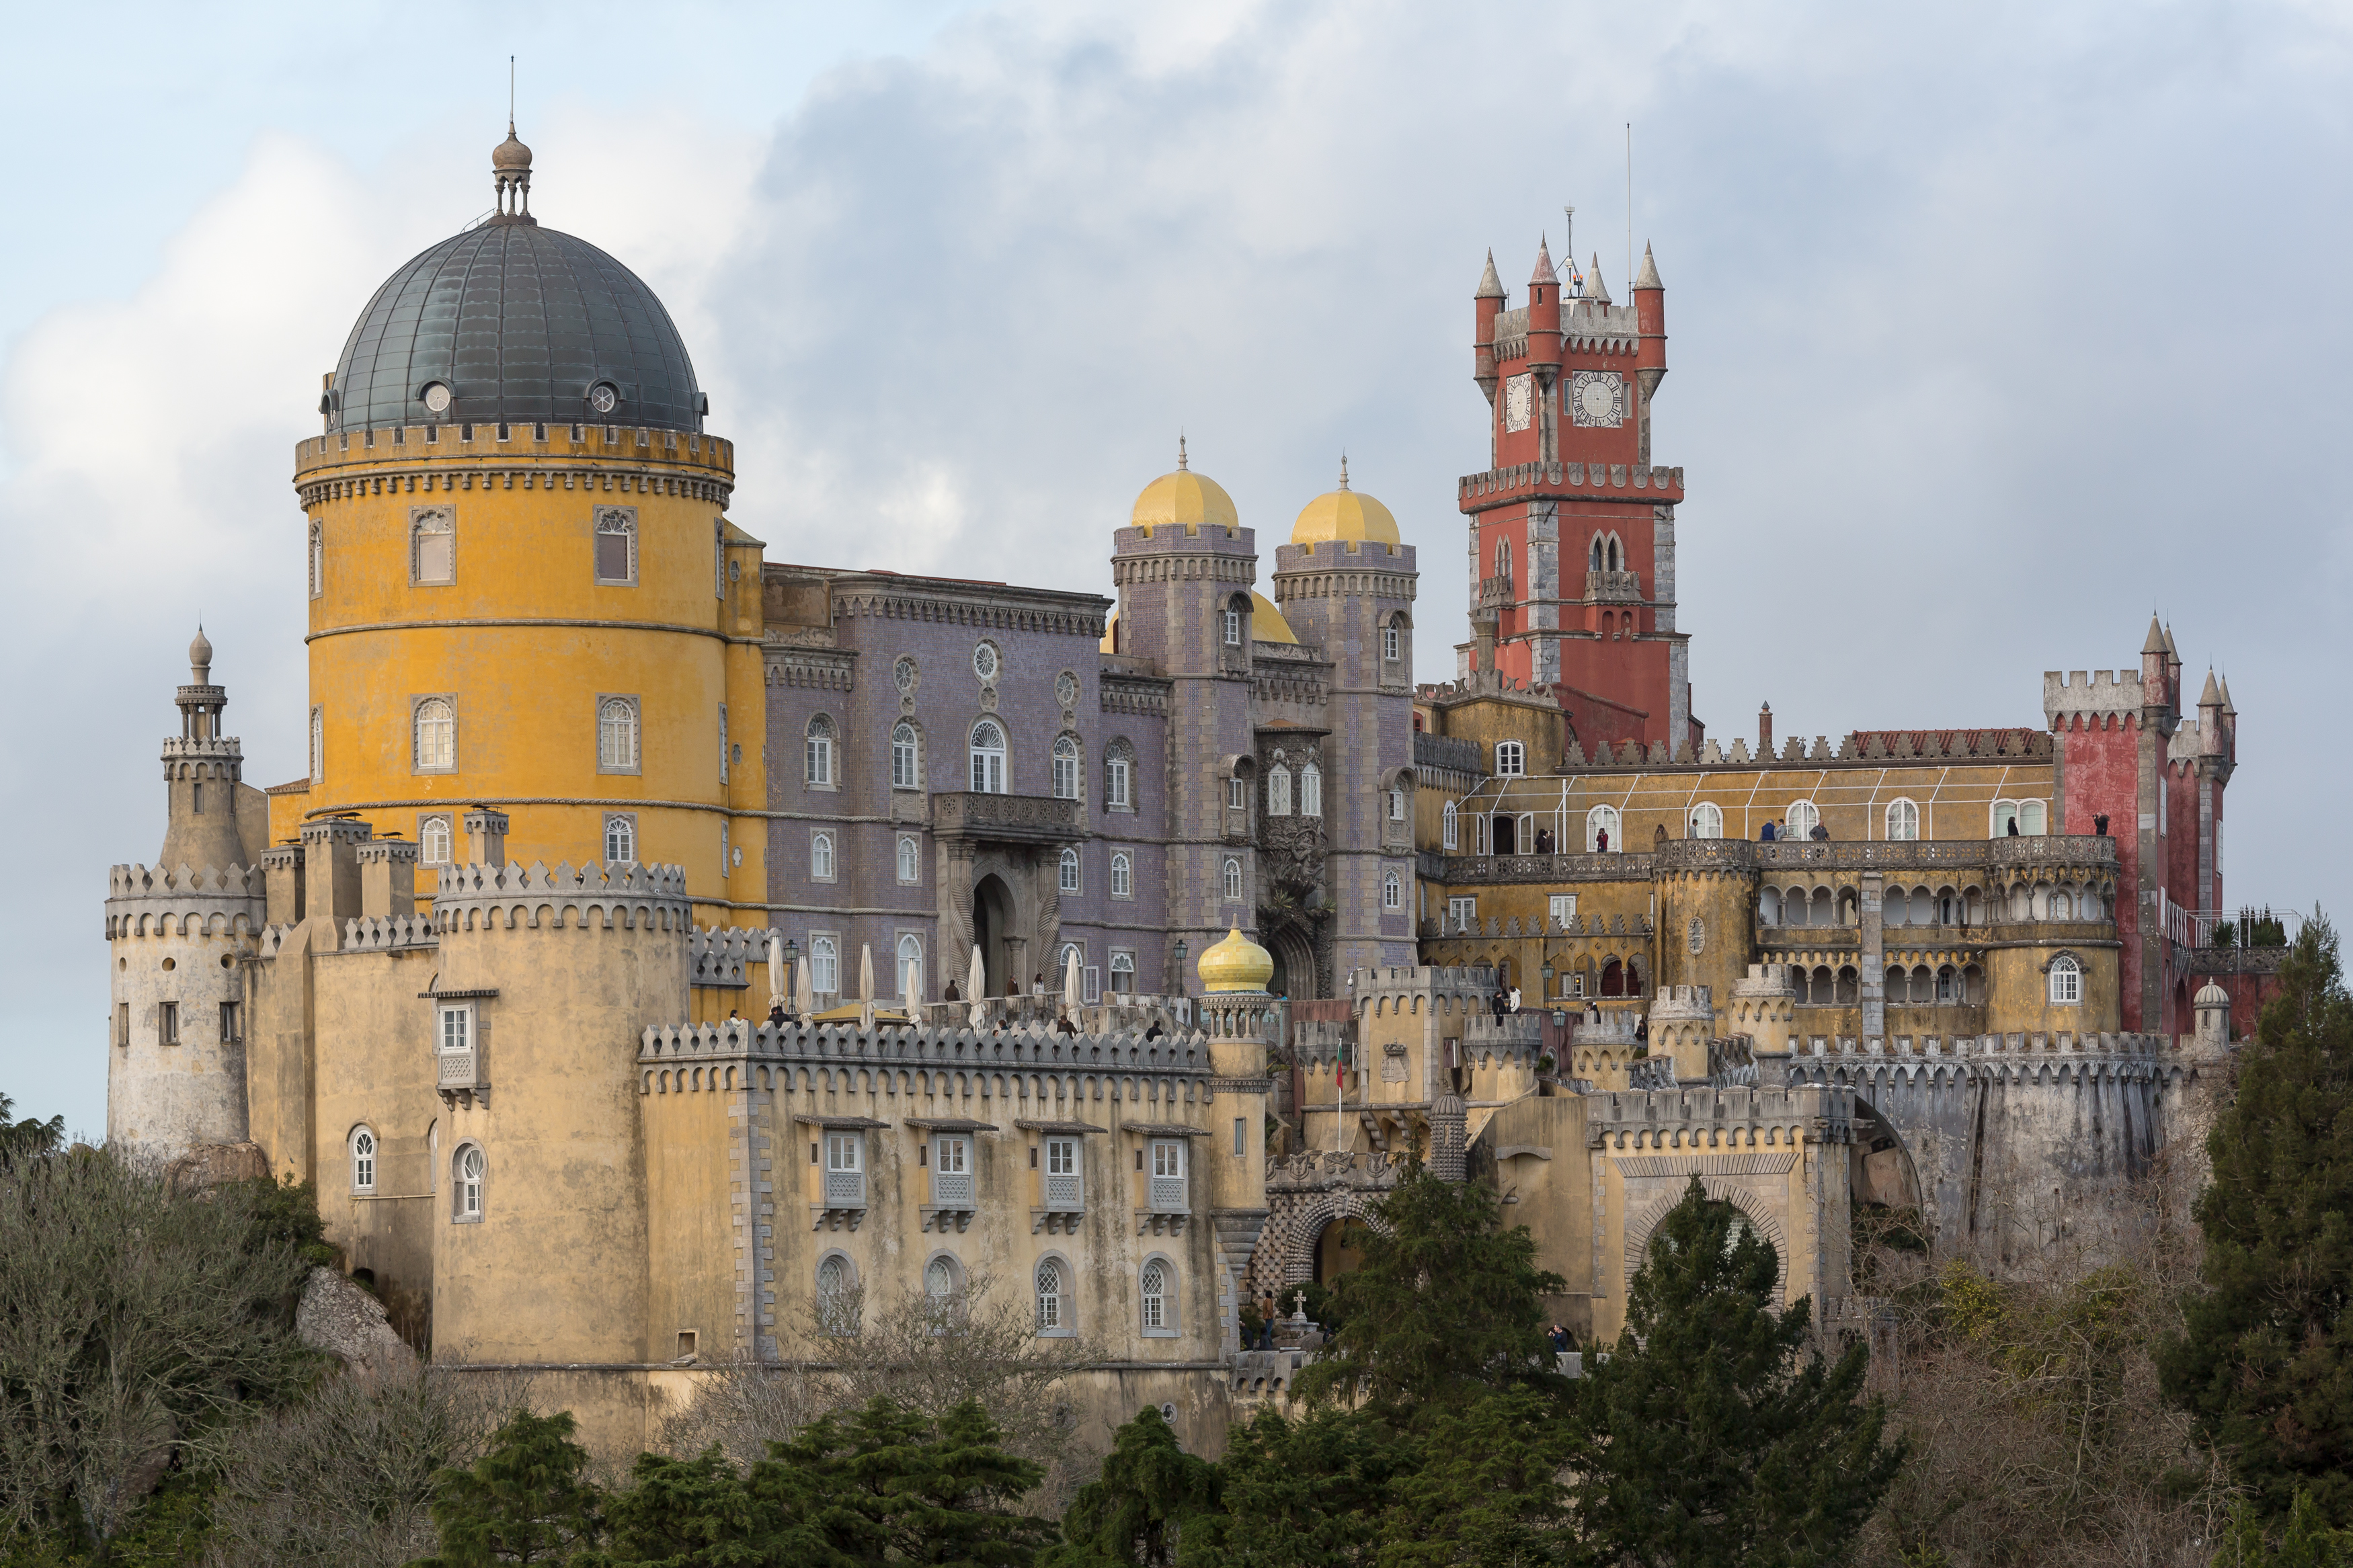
346 1323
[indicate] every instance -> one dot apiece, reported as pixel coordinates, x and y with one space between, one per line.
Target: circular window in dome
436 397
604 397
984 661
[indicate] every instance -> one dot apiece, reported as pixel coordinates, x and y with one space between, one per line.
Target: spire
200 659
1543 272
1491 287
2228 710
1648 276
511 178
2156 640
1343 470
1594 288
2171 652
1180 451
2211 697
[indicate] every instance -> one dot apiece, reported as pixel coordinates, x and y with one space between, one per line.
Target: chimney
486 838
1764 731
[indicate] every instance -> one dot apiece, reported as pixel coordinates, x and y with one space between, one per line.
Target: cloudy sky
1993 328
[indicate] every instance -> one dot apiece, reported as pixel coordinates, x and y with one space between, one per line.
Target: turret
1543 341
1650 355
2154 693
202 769
2211 741
1486 305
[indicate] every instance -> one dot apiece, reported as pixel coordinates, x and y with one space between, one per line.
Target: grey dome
521 323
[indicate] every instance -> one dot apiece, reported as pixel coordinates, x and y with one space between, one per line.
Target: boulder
341 1319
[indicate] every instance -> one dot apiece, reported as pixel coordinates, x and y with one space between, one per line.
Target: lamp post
792 969
1179 990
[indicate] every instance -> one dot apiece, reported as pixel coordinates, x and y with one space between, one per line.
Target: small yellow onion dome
1346 515
1184 496
1236 963
1267 623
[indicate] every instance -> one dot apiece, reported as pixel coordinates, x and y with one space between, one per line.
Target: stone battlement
163 881
673 1057
478 896
2099 693
723 955
157 901
373 935
1667 484
1700 1115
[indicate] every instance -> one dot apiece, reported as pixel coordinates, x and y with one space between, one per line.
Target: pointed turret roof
1491 287
1544 272
1648 276
2171 652
2156 640
2211 697
2228 710
1594 288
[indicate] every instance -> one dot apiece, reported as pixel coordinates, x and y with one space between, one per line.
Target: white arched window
1233 626
2066 982
1600 820
1054 1296
821 855
943 1280
1119 777
1707 820
987 758
911 859
433 546
825 965
1392 892
2030 818
1278 791
911 965
616 545
1449 826
1066 768
621 839
1123 972
1233 881
1069 882
617 735
466 1192
362 1161
318 559
1311 790
1803 820
903 756
434 841
1903 820
1510 759
1396 803
817 753
1594 559
837 1296
318 746
2004 817
718 560
1123 881
1393 641
433 748
2062 905
1156 1287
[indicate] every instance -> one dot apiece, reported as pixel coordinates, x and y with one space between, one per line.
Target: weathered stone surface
340 1317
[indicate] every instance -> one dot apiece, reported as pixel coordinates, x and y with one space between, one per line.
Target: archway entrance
1296 975
1504 833
1339 1249
992 923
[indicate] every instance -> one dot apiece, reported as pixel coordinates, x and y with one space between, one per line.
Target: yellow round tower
525 591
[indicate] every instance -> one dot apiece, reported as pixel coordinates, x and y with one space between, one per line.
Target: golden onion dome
1347 515
1267 623
1236 964
1184 496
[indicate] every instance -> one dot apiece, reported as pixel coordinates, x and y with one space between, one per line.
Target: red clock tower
1572 529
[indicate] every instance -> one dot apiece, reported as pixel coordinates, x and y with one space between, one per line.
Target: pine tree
1446 1305
685 1513
2264 1362
1703 1440
1134 1513
1487 1491
526 1500
1300 1494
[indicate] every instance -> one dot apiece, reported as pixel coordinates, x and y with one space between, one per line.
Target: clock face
1598 397
1519 400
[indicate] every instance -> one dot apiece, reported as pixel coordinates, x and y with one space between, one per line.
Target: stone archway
1295 1230
1722 1189
993 924
1295 969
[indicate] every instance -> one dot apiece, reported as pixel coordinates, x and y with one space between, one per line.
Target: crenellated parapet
2096 700
144 900
513 897
738 1054
723 955
373 934
1708 1116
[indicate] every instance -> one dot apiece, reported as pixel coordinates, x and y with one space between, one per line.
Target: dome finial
1180 451
1343 470
511 167
200 657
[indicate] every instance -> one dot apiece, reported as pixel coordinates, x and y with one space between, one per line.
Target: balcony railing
1614 588
1005 818
459 1070
1065 1194
1168 1195
845 1189
952 1190
1495 593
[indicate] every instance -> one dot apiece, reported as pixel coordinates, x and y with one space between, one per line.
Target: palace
1116 950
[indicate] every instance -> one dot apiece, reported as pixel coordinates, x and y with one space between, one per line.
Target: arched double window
1057 1301
1155 1290
817 752
987 758
1066 768
903 755
1602 820
825 965
1232 881
467 1189
1122 876
1449 826
617 735
911 966
362 1160
1803 820
2066 981
1707 820
621 839
1069 875
434 744
1311 789
1510 759
433 546
1278 791
1903 820
2030 818
1504 559
434 841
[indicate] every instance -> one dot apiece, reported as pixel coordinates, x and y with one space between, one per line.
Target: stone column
1875 959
